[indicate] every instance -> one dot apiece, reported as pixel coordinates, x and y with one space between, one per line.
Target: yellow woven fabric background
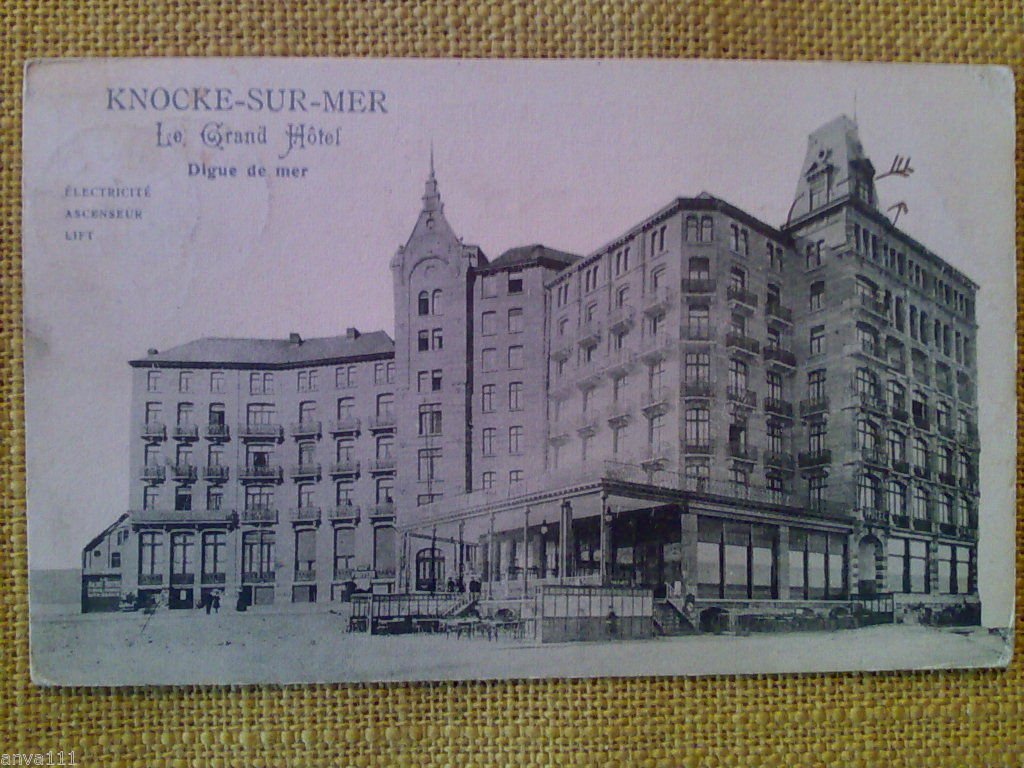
919 719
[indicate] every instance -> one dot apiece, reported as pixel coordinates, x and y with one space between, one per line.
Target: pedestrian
205 601
215 599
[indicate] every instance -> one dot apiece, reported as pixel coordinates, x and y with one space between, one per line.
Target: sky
569 154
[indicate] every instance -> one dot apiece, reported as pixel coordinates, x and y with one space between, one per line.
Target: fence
568 613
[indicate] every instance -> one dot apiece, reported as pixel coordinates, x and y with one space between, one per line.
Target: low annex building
707 406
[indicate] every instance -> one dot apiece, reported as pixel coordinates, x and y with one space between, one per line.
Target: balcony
382 422
185 432
741 343
779 460
924 526
902 466
921 421
307 471
900 414
621 361
558 433
622 318
876 457
778 407
966 532
259 515
588 423
874 307
589 334
656 348
778 313
698 389
820 458
305 574
620 412
216 431
184 472
901 521
947 478
383 512
742 452
740 396
305 515
382 465
869 349
699 285
656 401
873 403
561 352
813 405
151 579
153 430
346 425
658 301
346 468
262 432
153 474
780 359
924 473
657 454
266 473
589 377
741 298
344 514
258 577
696 333
158 516
300 429
875 516
699 447
947 529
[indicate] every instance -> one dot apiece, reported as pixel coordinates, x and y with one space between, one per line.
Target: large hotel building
706 405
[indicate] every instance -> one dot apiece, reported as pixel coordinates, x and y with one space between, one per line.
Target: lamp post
543 565
564 537
526 550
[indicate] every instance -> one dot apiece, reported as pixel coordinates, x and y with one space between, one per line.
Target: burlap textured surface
919 719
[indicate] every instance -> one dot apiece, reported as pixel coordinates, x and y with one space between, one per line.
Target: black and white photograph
363 370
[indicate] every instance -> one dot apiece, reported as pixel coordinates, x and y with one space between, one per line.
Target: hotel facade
706 406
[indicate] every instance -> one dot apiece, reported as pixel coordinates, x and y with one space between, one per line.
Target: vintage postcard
414 370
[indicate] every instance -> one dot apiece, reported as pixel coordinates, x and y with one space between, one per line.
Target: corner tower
432 278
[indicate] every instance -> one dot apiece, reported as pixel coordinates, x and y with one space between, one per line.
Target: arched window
707 229
897 446
423 303
920 508
920 453
435 302
866 383
867 492
867 435
896 499
692 229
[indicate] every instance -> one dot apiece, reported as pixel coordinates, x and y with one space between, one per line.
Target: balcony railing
742 343
305 574
813 405
947 431
262 432
216 431
739 295
154 474
589 376
561 351
924 526
305 429
199 515
696 333
778 407
345 514
620 411
876 516
700 285
658 301
901 521
382 511
588 423
184 472
966 532
259 515
742 452
779 357
968 484
344 468
699 447
779 460
656 399
900 414
745 397
656 453
873 403
814 458
621 360
186 432
622 317
921 421
874 456
305 515
265 473
215 473
657 347
153 430
182 579
874 306
346 425
259 577
382 422
947 478
947 529
901 466
307 470
922 472
776 311
382 464
702 389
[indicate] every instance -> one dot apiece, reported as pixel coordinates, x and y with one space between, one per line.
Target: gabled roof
542 254
264 353
95 540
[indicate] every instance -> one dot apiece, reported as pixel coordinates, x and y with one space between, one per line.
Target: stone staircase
669 619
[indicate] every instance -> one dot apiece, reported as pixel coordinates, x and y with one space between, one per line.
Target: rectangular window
487 481
423 341
185 381
489 286
487 398
428 461
153 381
515 393
817 340
487 441
489 359
515 440
515 358
488 323
515 320
515 283
435 380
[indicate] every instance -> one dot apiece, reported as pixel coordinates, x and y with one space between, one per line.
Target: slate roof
525 254
233 352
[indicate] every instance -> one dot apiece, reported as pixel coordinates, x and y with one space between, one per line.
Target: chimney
294 338
352 333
